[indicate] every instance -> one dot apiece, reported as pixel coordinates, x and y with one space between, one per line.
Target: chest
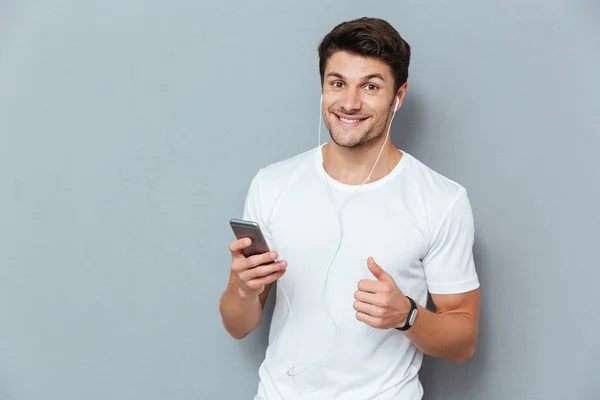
320 243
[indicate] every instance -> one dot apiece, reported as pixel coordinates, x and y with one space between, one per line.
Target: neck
351 166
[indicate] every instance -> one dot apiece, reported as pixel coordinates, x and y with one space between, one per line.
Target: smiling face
358 99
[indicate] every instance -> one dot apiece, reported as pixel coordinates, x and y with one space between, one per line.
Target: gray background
130 132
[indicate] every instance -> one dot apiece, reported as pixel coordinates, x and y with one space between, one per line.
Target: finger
369 298
368 319
258 283
370 286
262 270
377 271
368 309
237 246
259 259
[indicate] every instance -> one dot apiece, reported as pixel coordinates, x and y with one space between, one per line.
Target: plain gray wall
130 132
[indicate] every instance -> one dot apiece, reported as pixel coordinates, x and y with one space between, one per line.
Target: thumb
377 271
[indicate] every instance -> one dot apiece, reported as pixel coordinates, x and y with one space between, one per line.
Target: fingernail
272 255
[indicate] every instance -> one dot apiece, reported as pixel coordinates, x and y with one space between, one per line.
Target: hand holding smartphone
254 264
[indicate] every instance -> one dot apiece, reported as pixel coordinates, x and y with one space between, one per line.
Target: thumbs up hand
380 303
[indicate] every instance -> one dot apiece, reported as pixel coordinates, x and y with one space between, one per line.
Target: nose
351 101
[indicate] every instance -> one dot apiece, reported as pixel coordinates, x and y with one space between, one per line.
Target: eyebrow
364 78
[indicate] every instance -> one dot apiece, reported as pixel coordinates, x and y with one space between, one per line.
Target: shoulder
433 183
436 194
270 183
280 173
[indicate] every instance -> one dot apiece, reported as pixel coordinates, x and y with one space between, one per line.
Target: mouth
349 121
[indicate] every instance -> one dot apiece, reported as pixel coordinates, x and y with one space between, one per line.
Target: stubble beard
364 141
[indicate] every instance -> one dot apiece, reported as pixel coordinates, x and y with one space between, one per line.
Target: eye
337 84
371 87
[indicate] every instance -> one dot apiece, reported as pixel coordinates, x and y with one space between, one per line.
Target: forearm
451 335
240 314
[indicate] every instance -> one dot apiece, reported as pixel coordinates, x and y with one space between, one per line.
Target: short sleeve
449 266
254 207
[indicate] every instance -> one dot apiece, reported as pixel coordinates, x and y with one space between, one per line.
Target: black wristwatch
412 314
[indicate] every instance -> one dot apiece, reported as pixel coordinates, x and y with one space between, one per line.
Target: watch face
413 315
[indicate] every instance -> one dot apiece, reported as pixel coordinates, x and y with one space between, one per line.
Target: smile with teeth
349 120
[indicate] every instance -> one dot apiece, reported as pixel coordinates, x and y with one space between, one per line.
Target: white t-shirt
415 223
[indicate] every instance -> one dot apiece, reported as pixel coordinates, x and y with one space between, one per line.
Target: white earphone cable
290 371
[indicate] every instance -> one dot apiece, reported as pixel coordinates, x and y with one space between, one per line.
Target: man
364 232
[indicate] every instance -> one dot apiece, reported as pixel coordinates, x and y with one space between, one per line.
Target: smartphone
249 229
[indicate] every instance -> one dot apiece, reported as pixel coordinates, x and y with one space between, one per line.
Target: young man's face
358 99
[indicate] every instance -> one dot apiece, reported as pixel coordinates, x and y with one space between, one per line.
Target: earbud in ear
397 101
321 99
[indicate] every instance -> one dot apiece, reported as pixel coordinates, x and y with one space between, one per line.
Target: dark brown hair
368 37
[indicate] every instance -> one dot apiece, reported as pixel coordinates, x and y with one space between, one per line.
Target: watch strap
409 317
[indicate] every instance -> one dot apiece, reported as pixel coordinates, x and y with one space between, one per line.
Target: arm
452 331
250 281
241 313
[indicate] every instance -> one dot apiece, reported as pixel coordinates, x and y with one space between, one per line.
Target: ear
400 96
